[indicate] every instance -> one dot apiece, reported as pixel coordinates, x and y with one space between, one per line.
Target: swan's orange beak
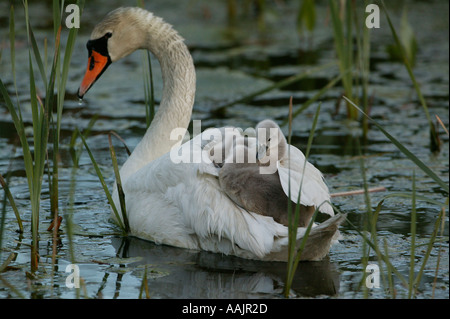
97 64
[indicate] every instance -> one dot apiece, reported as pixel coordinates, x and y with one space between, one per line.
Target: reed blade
12 202
435 144
405 151
102 181
120 191
294 254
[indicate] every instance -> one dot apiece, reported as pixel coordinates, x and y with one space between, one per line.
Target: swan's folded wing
297 174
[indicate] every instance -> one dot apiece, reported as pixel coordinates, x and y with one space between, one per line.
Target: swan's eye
268 140
108 35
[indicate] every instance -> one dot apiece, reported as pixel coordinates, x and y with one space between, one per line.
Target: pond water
233 60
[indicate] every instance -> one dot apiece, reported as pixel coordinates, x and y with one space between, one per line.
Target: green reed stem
144 285
288 81
430 245
440 248
120 191
8 195
294 254
389 271
343 39
370 221
363 62
435 144
105 187
76 150
315 97
413 238
405 151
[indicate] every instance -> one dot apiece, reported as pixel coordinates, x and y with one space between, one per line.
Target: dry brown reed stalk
359 191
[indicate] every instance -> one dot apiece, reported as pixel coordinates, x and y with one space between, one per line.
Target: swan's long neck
177 100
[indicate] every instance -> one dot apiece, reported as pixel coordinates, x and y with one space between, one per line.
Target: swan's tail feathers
321 238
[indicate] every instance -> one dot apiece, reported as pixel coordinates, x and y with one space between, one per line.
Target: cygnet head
270 139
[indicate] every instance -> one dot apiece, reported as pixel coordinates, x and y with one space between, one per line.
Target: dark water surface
233 60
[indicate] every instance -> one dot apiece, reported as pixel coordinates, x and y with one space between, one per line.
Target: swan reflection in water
183 273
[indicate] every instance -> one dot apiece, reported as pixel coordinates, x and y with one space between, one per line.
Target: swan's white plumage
181 203
187 208
305 177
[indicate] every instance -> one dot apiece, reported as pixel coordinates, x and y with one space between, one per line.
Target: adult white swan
182 204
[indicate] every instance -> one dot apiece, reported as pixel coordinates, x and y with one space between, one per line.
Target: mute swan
180 202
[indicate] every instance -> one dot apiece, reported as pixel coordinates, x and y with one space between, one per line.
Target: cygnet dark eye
268 140
108 35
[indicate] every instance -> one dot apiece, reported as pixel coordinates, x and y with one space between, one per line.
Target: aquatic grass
120 191
315 97
434 140
6 194
343 39
404 150
372 242
44 126
12 202
278 85
144 285
12 47
413 237
68 216
306 18
442 124
440 250
17 116
352 45
34 165
437 225
294 254
370 222
11 287
124 144
76 150
363 64
408 40
105 187
412 282
61 82
389 271
125 224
